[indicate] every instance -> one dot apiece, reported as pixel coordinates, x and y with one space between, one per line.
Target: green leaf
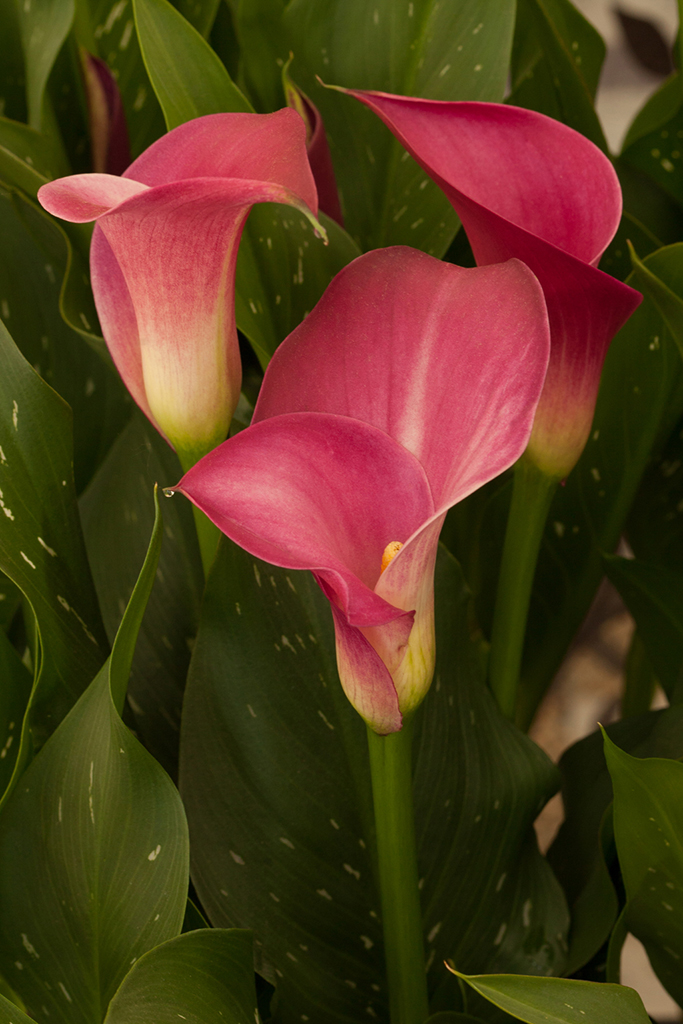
206 974
583 854
489 898
648 825
12 80
265 715
10 599
668 304
27 158
558 1001
14 697
282 271
275 777
34 258
659 108
448 1017
654 141
193 919
654 596
113 27
423 48
188 78
258 26
41 546
596 907
650 220
110 884
11 1014
201 14
557 58
117 520
43 25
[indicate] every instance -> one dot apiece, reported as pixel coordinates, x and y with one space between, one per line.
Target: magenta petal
528 168
365 678
424 351
320 492
83 197
526 186
261 147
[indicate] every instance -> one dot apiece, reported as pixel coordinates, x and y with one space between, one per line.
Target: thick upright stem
208 535
531 497
392 790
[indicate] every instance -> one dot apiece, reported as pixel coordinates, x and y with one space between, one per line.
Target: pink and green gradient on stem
411 384
527 186
163 260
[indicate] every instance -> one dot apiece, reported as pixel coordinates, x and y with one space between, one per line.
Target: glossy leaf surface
14 697
583 853
188 78
648 802
282 271
93 850
199 977
559 1001
117 520
34 257
11 1014
557 58
41 546
44 25
27 158
654 596
269 715
653 142
441 51
113 28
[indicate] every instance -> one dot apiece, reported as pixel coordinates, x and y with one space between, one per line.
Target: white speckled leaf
443 51
202 977
648 825
41 546
275 779
93 850
559 1001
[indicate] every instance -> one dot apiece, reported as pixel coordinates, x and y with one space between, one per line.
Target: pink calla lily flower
529 187
163 260
411 384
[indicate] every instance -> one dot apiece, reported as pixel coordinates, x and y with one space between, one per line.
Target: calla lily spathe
527 186
411 384
163 260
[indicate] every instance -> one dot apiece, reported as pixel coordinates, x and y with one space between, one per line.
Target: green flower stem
392 791
208 535
531 497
